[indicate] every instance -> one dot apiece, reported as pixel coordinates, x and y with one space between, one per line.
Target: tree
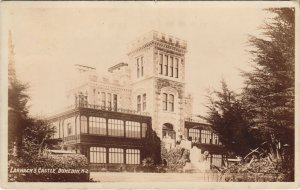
269 91
228 118
17 114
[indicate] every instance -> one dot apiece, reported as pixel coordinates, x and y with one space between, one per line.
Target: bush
51 168
175 158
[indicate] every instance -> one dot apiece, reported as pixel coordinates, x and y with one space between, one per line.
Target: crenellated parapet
160 40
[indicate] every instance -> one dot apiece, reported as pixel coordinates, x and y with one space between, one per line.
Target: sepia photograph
148 92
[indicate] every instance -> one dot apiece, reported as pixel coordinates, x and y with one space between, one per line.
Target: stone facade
147 95
144 74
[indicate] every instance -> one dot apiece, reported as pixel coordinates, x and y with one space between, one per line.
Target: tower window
165 102
171 102
171 66
176 68
161 64
166 65
139 103
144 102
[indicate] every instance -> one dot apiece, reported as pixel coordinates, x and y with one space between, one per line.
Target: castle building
111 118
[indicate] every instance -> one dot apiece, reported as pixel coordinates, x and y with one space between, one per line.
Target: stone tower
157 66
11 60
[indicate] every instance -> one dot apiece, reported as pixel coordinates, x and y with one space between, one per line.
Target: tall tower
11 60
157 65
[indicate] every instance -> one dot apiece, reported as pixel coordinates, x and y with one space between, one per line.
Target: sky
49 40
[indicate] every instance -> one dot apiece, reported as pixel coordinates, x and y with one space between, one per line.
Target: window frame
161 63
139 103
116 155
144 101
171 102
133 156
165 101
115 128
98 155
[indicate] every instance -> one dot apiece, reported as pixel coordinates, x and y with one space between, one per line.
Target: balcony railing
198 120
106 108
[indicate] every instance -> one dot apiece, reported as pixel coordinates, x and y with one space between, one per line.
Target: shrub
66 168
175 158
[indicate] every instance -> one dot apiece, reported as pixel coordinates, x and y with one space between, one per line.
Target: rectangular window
138 103
144 102
171 102
171 66
205 136
115 127
160 64
133 129
215 139
97 125
97 155
142 66
116 156
166 65
165 102
144 130
83 124
109 100
77 125
103 98
69 129
194 134
133 156
115 102
176 67
137 67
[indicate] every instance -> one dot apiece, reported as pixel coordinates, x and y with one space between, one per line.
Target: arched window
165 101
168 102
171 102
138 100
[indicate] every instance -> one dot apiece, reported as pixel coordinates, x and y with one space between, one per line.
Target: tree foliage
18 119
227 115
265 108
269 90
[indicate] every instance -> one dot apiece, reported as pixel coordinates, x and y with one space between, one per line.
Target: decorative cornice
163 45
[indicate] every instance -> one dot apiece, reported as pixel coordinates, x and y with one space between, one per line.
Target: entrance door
168 135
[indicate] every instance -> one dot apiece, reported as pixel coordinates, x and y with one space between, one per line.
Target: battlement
155 36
